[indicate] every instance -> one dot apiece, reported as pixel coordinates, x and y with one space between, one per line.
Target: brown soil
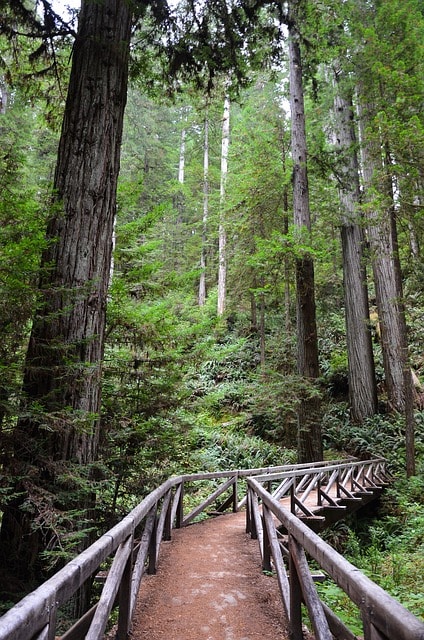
210 586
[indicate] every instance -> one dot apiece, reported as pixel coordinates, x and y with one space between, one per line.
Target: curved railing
131 548
383 618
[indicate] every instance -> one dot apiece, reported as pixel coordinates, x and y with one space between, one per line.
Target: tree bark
382 249
382 233
309 428
361 371
63 365
202 281
222 233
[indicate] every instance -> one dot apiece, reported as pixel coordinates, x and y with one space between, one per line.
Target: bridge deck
210 586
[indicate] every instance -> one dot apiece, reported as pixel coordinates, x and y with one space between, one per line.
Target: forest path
210 586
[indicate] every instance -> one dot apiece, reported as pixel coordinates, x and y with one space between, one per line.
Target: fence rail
382 616
132 547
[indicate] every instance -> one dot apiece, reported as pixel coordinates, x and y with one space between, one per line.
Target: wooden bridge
285 507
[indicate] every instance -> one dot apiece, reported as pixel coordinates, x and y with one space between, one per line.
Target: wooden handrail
384 618
34 617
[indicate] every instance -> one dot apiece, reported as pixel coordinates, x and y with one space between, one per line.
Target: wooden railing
131 548
284 542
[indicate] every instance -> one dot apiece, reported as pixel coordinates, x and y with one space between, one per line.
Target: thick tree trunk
382 233
309 428
222 232
362 383
388 295
63 366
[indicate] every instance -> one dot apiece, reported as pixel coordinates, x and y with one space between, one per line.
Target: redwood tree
59 424
362 382
309 429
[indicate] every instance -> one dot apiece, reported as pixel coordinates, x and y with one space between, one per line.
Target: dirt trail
210 586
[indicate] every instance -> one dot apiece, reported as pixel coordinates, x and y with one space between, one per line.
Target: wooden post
309 592
370 631
266 547
295 599
253 526
124 620
235 499
248 510
151 569
292 496
180 508
168 521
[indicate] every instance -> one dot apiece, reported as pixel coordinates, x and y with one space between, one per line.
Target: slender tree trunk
181 161
60 423
309 428
287 270
202 282
362 382
4 96
408 384
222 232
179 204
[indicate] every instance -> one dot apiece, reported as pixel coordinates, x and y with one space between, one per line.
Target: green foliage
341 605
227 446
380 436
21 238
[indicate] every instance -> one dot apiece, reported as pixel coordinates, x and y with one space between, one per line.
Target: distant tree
203 250
222 232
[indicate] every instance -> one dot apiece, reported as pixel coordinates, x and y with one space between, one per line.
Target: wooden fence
131 549
383 618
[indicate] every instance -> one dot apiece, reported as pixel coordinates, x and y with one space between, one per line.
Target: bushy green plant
380 436
230 447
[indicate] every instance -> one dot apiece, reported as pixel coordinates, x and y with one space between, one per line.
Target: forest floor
210 586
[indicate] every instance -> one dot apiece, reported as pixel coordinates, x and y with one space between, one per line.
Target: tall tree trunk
388 296
62 377
408 384
4 96
179 203
287 270
309 428
202 282
362 382
222 232
181 161
382 233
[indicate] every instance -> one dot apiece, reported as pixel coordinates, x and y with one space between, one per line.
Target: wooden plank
257 532
152 553
124 618
329 499
280 569
295 619
389 616
139 565
339 630
208 501
266 547
179 506
161 522
80 628
309 592
110 589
